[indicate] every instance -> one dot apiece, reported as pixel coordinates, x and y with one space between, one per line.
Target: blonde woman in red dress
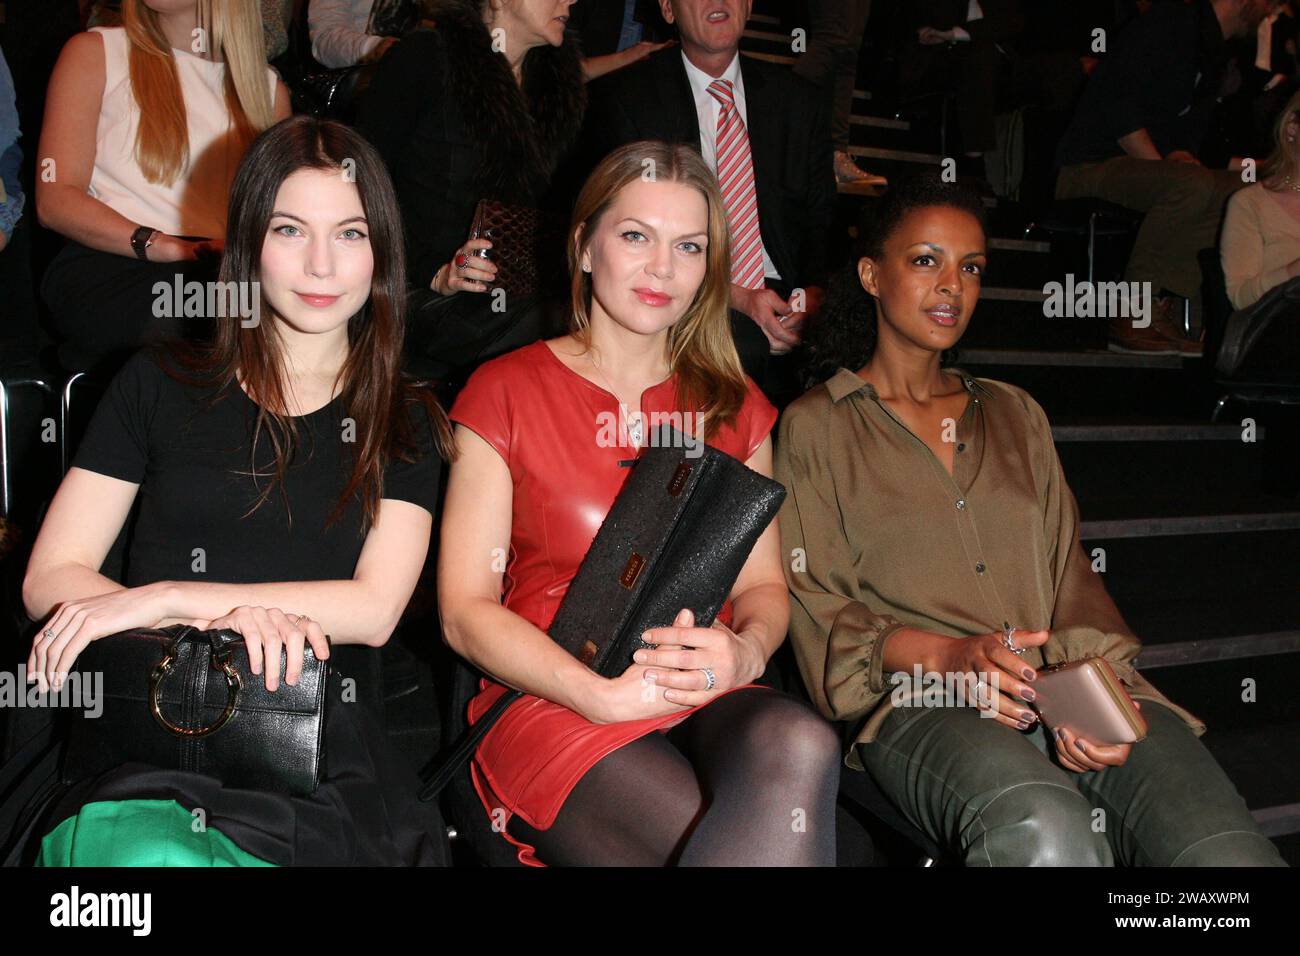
683 759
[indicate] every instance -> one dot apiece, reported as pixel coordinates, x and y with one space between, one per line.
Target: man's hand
772 314
929 36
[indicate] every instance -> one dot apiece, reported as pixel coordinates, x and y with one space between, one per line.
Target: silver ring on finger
709 676
1009 644
49 633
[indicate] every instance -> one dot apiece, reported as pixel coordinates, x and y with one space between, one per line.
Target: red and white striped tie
736 177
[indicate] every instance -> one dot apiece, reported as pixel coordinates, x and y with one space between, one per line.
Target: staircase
1203 562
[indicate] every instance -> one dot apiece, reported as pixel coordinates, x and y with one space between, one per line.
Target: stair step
1016 315
1082 358
1174 590
1167 432
767 36
773 57
1235 523
897 156
880 122
1182 653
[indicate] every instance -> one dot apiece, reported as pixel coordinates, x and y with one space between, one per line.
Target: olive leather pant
994 797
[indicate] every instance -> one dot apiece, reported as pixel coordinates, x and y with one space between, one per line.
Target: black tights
749 780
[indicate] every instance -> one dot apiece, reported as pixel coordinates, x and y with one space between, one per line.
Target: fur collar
524 132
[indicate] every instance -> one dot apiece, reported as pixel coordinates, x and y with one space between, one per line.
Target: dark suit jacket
789 136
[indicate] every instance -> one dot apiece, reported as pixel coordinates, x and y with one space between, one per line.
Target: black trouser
102 304
969 71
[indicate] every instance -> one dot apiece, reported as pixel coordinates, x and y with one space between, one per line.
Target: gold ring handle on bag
164 668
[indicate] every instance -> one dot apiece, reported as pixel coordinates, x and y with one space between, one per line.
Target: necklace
1286 180
632 422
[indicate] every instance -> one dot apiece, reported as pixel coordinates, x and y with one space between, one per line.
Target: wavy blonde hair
162 147
701 351
1279 162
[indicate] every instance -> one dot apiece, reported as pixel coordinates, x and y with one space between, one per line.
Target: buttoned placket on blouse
970 435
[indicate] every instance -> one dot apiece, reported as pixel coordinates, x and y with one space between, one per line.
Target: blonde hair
701 351
1280 163
234 27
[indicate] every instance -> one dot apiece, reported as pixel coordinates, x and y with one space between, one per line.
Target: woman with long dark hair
286 477
932 529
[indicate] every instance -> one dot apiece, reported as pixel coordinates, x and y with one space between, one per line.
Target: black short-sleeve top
197 484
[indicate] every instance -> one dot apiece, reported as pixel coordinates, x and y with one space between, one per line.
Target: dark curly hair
844 332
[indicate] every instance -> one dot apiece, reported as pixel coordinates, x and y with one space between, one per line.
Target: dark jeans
835 32
994 797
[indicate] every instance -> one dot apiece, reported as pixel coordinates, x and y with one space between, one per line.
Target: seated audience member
835 30
12 199
142 137
457 123
766 134
960 48
937 532
615 33
682 759
238 445
1260 245
1142 118
352 32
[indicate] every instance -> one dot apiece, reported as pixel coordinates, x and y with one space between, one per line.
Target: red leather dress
542 417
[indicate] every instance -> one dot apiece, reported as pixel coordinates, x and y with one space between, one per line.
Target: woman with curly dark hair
929 528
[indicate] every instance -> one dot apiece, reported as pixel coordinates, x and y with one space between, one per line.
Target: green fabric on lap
139 833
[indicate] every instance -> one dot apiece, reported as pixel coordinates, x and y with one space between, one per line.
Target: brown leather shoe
1148 341
1167 319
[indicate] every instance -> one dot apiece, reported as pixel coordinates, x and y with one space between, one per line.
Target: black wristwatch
142 239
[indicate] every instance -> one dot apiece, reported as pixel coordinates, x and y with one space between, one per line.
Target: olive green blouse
877 536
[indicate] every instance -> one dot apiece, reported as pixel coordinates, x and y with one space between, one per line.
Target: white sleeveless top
195 204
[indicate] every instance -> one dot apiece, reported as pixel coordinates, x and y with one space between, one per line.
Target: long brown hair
234 27
701 351
375 392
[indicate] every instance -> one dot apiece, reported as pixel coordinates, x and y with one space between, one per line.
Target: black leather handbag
676 537
1261 344
184 699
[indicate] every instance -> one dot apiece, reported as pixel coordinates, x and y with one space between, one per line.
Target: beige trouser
1183 204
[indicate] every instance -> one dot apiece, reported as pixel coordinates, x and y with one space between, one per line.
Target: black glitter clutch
677 536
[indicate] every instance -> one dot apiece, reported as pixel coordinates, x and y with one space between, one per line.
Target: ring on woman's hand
1009 644
49 632
708 675
462 260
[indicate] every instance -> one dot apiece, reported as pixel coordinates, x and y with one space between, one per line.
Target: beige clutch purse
1086 697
